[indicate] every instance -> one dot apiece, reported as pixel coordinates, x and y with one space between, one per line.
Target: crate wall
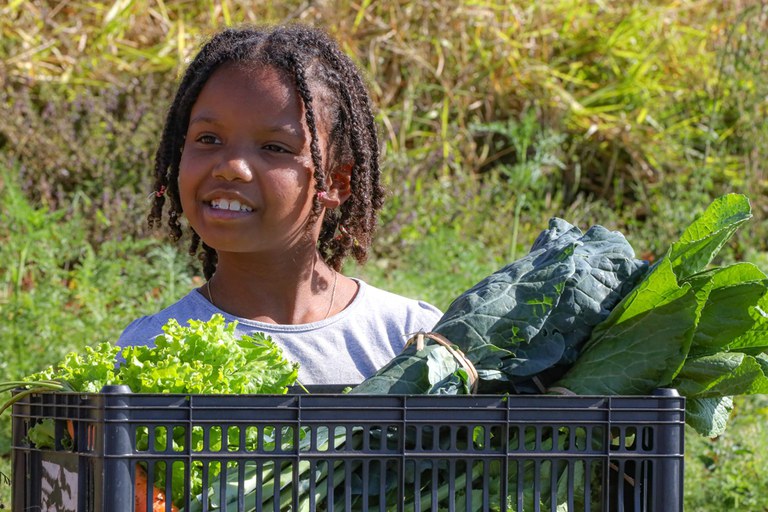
349 452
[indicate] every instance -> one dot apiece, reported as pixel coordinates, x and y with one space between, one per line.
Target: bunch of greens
581 314
87 372
207 358
204 357
528 318
522 325
578 314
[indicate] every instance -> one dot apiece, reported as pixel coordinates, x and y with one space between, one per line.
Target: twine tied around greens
419 341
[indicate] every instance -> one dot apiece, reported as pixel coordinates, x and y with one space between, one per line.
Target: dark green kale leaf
532 315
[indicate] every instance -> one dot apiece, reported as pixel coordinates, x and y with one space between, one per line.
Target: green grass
730 472
572 102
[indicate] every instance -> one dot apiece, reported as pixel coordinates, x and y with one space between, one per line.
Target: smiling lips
231 205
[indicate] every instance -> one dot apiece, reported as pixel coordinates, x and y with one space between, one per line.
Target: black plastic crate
387 452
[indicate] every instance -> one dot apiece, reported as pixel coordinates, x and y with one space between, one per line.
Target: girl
270 152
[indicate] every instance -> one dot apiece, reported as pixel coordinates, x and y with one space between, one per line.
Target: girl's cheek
187 163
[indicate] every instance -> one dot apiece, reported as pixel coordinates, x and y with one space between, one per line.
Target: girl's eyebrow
203 119
288 129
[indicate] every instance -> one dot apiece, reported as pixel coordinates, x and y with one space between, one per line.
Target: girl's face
245 177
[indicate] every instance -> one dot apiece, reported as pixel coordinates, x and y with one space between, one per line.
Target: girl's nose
234 167
234 164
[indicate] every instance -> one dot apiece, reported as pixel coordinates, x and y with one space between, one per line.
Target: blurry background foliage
493 116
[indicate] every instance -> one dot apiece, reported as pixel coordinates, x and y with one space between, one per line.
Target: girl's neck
281 290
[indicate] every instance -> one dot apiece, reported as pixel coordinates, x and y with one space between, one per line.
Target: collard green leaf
721 374
510 306
755 339
542 307
530 316
704 237
708 416
626 355
605 270
417 372
728 313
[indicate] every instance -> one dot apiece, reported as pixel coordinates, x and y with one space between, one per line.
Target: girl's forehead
253 75
243 83
235 82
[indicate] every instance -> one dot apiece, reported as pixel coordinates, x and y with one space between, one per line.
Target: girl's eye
207 139
276 148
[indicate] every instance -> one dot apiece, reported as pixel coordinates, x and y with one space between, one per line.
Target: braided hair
332 91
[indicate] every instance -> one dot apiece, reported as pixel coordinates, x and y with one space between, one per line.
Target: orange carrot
71 430
140 492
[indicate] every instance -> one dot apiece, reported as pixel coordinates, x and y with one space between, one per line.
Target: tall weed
635 101
92 152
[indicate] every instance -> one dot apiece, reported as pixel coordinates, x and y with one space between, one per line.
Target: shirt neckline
197 296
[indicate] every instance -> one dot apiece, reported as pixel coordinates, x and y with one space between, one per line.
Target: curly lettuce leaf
203 358
85 372
207 357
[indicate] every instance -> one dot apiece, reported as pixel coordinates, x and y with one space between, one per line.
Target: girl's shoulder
143 330
377 301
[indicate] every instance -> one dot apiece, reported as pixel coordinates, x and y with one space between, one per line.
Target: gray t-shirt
343 349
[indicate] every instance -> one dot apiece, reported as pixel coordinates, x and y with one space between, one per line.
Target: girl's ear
338 185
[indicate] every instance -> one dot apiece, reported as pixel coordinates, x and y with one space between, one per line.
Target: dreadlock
333 92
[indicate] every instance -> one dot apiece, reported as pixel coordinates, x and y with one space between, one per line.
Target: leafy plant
708 337
531 316
93 152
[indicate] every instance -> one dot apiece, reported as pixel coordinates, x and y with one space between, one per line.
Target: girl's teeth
225 204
